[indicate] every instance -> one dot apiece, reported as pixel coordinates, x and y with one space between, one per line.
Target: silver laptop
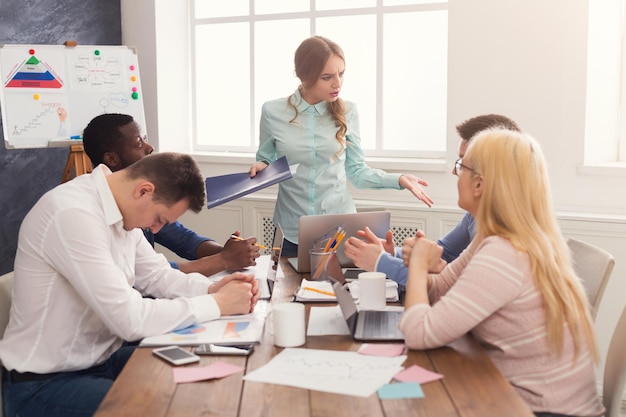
313 227
266 283
370 325
277 249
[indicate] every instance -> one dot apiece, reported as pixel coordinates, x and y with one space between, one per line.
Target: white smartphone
175 355
211 349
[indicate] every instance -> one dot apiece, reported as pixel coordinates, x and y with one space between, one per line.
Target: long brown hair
309 60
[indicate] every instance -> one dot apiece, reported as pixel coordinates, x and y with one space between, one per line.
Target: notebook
322 291
312 227
374 325
224 188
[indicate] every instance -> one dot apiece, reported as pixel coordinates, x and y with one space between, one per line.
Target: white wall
522 58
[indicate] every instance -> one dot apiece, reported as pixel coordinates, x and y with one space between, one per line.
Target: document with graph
247 328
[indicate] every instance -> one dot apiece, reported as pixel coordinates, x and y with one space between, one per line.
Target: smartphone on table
175 355
213 349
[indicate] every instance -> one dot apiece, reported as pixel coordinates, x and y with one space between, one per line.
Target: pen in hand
256 244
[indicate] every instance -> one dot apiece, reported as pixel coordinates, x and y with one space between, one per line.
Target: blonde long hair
516 204
310 59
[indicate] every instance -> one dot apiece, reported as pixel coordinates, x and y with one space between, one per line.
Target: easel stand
77 161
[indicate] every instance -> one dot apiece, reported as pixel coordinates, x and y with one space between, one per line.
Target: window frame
605 114
379 157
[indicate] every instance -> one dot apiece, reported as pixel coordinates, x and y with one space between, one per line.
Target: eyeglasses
458 168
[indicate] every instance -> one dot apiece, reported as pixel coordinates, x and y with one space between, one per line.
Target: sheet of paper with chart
50 92
246 328
347 373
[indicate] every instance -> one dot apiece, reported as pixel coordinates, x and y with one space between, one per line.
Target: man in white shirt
81 270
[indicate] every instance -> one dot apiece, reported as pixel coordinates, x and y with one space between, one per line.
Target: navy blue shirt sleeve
453 243
393 267
180 240
457 239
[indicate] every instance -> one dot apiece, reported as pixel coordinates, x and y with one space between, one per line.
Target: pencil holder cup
319 264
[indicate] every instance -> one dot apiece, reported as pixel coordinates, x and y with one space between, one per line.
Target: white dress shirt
79 281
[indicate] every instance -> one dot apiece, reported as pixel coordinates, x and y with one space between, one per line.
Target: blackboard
26 174
50 92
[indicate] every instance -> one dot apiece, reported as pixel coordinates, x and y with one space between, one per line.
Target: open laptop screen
312 227
277 248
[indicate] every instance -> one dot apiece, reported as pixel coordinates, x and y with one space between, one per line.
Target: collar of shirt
112 212
302 106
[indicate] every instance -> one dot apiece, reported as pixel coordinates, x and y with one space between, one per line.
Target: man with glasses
374 254
116 141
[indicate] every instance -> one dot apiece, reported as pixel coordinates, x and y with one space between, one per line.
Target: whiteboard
50 92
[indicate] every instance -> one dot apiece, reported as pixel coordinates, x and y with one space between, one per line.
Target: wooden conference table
472 385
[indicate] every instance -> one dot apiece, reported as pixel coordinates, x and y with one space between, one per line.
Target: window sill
615 169
391 164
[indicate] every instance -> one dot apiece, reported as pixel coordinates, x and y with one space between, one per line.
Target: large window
605 121
396 68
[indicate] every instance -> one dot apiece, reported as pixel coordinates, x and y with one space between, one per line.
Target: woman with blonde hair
514 288
317 130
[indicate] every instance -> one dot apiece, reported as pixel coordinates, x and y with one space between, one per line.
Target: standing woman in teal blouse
317 130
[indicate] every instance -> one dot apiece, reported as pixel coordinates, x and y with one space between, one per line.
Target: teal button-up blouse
319 184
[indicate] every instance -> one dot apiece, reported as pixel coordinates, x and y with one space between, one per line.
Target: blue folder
224 188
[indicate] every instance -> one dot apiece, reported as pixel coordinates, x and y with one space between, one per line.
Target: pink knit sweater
489 292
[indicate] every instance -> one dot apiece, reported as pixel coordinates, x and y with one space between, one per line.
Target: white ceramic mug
372 291
289 328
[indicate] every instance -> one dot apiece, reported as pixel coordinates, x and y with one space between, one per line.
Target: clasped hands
236 293
365 249
425 253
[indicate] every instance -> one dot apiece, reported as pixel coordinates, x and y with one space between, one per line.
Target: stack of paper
310 291
391 288
322 291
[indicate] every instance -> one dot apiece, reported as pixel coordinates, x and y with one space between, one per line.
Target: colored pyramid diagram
33 74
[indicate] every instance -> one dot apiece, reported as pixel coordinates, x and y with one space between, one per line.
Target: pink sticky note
417 374
201 373
389 350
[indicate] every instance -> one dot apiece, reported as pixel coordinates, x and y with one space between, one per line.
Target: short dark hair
468 128
175 177
103 135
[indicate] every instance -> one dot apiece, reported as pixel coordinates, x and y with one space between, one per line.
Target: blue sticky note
400 390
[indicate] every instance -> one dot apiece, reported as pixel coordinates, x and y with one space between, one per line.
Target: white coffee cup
372 291
289 328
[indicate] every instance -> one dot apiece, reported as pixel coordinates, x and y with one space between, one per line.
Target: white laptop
266 269
370 325
313 227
